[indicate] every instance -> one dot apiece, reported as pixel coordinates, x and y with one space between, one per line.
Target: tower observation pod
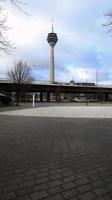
52 40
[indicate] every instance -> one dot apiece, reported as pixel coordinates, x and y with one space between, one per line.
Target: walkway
65 111
55 158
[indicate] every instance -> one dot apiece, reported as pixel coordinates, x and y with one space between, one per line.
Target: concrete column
106 97
41 96
48 96
52 65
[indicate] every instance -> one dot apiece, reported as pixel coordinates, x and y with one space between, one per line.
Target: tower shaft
52 40
52 65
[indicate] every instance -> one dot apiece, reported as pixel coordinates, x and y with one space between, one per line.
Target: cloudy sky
83 47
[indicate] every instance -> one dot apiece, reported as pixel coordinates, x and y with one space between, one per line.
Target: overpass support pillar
48 96
41 96
106 97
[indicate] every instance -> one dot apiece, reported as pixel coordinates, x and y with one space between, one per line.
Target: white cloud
26 31
78 74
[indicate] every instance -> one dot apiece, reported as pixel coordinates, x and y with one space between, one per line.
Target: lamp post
86 89
33 101
97 77
33 95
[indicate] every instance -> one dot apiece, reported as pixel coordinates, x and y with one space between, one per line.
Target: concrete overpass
48 88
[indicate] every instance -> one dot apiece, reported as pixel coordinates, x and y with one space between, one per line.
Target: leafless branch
18 4
5 44
108 23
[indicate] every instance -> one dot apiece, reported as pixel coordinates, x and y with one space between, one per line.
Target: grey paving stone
31 172
55 190
109 186
27 184
82 181
23 192
97 183
57 176
41 175
70 193
107 180
11 188
100 191
84 188
69 185
68 179
8 196
40 187
28 178
87 196
55 172
104 198
68 173
55 197
42 180
55 183
23 198
94 177
38 195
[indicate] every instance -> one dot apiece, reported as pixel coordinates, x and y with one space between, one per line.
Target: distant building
81 83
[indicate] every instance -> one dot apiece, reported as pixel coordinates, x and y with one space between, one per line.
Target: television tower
52 40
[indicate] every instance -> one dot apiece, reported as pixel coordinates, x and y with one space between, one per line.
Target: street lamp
86 88
97 77
33 95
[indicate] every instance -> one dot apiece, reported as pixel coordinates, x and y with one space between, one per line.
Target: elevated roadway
53 88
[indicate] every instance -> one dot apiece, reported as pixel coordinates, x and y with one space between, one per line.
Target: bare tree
20 73
108 23
21 76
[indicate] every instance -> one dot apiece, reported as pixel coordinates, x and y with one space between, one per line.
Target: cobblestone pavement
55 158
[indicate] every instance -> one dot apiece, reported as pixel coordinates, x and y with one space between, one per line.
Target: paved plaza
64 111
64 157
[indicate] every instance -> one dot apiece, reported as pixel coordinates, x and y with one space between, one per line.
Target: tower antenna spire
52 26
